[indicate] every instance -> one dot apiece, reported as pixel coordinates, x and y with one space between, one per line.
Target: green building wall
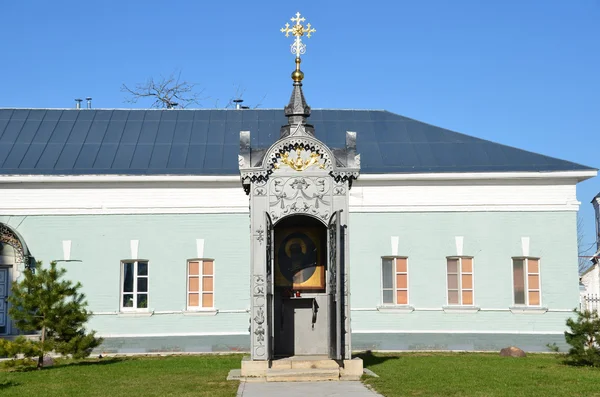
100 242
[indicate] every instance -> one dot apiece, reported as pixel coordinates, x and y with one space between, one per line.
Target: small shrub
553 347
44 302
584 337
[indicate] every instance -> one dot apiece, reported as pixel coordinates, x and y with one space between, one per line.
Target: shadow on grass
370 359
8 383
97 362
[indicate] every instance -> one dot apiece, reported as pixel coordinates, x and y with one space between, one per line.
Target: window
526 281
134 291
200 284
460 280
394 280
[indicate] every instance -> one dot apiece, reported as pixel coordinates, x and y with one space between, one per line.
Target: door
4 287
335 286
270 263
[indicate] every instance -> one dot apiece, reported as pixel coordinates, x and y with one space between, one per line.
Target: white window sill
396 309
201 312
528 309
135 313
460 309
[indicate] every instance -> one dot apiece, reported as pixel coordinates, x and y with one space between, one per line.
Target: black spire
297 110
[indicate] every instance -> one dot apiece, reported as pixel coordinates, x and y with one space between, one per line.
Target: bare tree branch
584 263
166 92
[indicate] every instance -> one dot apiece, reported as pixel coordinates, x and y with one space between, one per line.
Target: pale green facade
101 242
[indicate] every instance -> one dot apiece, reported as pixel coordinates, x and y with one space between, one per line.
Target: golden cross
298 30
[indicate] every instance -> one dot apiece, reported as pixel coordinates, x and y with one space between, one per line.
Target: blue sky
520 72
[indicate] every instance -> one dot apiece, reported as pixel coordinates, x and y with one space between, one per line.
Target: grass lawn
112 377
473 374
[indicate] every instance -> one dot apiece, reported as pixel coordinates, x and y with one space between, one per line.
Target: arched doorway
13 257
300 304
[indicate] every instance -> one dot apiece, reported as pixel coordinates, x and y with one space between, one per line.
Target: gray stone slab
303 389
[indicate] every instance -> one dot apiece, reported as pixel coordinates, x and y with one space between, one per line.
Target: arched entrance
300 300
14 256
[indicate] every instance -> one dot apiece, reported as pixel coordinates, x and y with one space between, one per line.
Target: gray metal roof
206 142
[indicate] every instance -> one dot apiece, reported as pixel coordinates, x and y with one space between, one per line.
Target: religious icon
300 259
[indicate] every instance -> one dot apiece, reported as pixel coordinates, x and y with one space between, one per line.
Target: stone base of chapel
299 369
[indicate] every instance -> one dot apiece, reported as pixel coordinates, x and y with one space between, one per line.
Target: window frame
460 274
200 291
395 288
122 293
526 273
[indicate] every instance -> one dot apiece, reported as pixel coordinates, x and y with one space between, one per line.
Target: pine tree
584 338
45 303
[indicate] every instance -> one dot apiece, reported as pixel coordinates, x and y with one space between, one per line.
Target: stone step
302 375
304 364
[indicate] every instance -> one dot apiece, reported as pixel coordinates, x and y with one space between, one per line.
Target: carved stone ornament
339 189
7 236
300 195
259 317
299 153
260 235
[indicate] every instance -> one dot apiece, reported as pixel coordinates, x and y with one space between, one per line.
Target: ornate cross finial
298 30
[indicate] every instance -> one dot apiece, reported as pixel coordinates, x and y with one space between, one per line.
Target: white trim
134 248
122 211
528 310
459 241
394 241
437 331
178 312
451 176
460 309
147 197
460 288
134 308
66 246
199 248
357 309
240 210
467 208
395 288
162 334
526 305
525 246
201 276
118 178
136 313
203 311
395 309
394 331
447 176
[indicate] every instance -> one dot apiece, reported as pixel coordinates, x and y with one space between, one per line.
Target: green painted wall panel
167 241
491 238
176 324
439 321
102 241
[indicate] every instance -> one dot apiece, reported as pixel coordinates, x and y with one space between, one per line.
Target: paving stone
303 389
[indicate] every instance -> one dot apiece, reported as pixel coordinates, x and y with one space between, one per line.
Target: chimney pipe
89 102
78 103
238 103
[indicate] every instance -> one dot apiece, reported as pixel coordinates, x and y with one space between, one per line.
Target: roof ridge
193 109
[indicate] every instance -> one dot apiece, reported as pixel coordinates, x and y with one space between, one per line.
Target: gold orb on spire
297 75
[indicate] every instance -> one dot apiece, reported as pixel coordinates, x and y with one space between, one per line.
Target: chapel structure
299 193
